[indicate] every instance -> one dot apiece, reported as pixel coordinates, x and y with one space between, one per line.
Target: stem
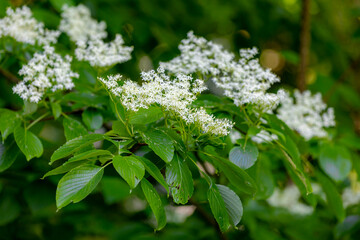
208 218
247 116
107 164
201 171
118 114
9 76
37 120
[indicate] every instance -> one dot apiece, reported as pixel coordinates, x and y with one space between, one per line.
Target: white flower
288 198
351 196
47 70
23 27
308 115
77 23
89 35
101 54
264 136
173 95
244 81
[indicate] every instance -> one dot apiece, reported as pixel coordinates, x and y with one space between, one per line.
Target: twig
209 219
304 45
9 76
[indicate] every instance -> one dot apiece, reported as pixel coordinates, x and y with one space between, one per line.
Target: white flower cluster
47 70
264 136
351 196
77 23
173 95
288 198
23 27
308 115
89 35
101 54
245 81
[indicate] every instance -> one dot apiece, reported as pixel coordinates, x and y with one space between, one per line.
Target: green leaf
75 145
262 174
8 154
28 143
335 161
30 107
92 119
85 99
77 184
348 226
233 204
73 129
237 177
153 170
130 169
39 196
332 196
244 157
145 116
58 4
89 154
218 208
302 182
292 162
120 129
179 178
160 143
118 110
9 209
155 203
253 131
65 168
56 109
8 122
114 189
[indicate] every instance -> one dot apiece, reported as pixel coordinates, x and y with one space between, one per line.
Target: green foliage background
155 28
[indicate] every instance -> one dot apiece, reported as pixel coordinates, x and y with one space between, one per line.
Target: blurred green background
155 28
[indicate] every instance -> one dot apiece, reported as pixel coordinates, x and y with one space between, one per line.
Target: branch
9 76
208 218
304 45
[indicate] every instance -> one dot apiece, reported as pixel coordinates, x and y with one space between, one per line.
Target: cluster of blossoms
264 136
101 54
244 81
173 95
46 70
308 115
23 27
351 195
289 199
77 23
89 35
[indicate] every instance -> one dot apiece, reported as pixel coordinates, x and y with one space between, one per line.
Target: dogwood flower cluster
89 35
264 136
101 54
20 24
351 196
77 23
174 95
308 114
45 71
244 81
289 199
